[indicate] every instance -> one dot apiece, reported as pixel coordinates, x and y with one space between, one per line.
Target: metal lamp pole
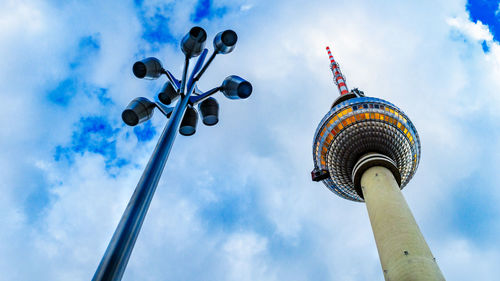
115 259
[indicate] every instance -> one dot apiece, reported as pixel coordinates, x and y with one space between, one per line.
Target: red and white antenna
338 78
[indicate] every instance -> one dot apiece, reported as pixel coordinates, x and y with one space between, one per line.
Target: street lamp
141 109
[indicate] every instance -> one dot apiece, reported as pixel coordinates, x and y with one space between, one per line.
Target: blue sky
236 201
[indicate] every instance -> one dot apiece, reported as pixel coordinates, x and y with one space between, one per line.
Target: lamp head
193 43
189 121
209 110
225 41
149 68
235 87
168 94
138 110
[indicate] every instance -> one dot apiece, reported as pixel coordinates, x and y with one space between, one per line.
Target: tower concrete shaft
403 252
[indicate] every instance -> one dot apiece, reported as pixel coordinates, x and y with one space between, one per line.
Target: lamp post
183 118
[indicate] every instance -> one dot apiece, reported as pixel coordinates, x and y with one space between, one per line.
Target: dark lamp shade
168 94
149 68
193 43
225 41
209 110
235 87
138 110
189 121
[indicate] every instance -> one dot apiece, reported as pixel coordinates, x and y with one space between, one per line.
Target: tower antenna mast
338 78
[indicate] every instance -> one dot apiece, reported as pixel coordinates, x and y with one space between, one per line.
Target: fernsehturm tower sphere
366 150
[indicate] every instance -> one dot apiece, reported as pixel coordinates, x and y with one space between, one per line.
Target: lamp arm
194 100
176 83
166 110
192 82
209 61
184 74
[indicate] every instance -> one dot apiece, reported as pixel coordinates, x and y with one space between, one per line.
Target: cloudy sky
236 201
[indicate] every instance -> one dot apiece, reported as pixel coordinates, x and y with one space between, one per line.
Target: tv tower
366 150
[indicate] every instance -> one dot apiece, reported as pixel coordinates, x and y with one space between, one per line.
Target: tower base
402 249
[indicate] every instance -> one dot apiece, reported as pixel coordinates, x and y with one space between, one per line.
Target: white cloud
25 16
244 253
246 7
476 31
255 163
458 254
